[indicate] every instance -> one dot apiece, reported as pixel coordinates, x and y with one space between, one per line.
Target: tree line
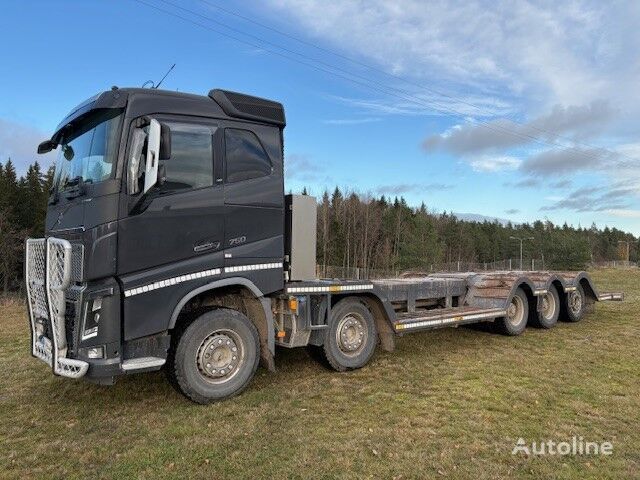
354 230
363 231
23 207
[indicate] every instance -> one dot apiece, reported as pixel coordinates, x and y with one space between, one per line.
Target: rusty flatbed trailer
416 302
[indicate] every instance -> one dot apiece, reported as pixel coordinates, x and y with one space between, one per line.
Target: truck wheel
547 317
517 314
351 337
215 357
575 305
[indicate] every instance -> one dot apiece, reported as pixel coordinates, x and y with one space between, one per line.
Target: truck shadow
154 390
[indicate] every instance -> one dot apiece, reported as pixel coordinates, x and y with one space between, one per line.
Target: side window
191 162
245 155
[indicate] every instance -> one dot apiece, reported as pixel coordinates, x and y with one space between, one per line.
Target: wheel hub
515 310
575 302
219 356
351 334
548 306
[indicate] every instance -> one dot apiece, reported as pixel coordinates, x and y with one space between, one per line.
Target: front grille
70 325
72 315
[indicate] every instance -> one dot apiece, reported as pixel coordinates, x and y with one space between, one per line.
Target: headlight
93 352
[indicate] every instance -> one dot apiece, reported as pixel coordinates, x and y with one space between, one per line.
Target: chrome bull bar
48 264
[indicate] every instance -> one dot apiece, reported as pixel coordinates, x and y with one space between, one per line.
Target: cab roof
232 104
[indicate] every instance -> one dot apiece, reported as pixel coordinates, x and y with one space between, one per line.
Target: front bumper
51 265
66 367
70 316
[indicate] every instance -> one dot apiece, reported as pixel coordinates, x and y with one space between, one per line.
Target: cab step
142 363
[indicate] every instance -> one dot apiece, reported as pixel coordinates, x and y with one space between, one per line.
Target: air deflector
247 107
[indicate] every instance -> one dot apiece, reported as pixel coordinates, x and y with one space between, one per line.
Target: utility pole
521 240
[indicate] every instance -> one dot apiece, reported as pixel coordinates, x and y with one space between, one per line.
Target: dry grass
447 403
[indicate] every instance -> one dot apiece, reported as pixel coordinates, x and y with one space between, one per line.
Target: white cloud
565 53
624 213
577 122
494 163
561 75
400 188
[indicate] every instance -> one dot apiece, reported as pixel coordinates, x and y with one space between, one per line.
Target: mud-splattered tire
575 304
517 315
351 338
215 357
547 316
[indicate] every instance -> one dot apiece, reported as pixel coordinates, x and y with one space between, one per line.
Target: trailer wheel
517 314
351 338
215 357
547 317
575 305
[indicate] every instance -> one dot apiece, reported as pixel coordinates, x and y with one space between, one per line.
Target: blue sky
516 110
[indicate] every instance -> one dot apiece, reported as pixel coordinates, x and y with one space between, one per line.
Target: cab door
180 227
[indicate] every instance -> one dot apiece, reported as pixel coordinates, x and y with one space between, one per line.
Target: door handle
206 245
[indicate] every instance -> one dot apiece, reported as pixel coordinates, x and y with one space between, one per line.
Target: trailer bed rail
445 317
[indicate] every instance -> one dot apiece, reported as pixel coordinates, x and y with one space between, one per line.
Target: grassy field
449 403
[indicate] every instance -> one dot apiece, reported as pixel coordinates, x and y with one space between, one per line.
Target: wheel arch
528 287
378 309
381 312
237 293
587 285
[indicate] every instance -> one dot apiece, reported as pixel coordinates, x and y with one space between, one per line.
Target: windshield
88 151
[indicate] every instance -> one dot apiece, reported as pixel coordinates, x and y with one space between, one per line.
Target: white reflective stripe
330 288
570 289
203 274
456 319
247 268
171 281
539 292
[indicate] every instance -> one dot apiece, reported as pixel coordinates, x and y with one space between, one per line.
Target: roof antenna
165 76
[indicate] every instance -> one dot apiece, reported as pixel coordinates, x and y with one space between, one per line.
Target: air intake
239 105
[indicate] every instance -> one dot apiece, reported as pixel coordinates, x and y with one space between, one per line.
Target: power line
333 70
397 77
408 96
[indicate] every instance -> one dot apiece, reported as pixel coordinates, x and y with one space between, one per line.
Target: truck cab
157 197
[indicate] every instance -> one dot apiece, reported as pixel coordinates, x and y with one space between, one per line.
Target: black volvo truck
170 244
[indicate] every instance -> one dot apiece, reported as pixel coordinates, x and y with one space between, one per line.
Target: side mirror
46 146
153 150
158 148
